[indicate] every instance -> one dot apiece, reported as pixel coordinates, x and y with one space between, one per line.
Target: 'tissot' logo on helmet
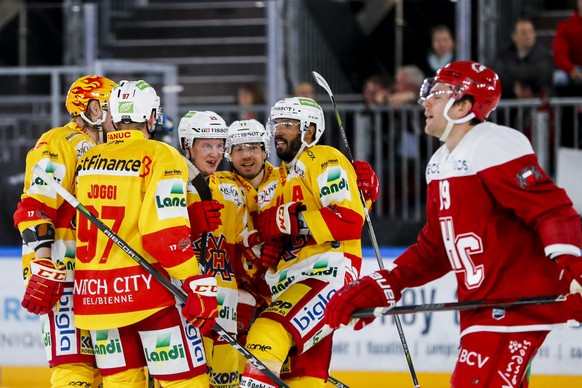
212 130
125 107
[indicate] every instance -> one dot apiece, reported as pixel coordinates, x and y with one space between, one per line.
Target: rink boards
370 357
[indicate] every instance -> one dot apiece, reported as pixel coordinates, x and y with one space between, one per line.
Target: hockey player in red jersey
138 186
46 222
494 218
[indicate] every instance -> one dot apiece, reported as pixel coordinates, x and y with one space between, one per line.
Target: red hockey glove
574 306
252 238
45 286
245 311
367 180
379 289
271 251
280 220
573 266
201 307
204 216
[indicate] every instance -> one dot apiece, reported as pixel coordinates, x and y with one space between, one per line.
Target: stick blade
321 82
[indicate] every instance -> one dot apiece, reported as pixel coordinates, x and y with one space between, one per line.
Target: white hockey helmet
134 101
247 132
201 125
304 109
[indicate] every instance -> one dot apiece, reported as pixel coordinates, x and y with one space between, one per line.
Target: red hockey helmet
472 79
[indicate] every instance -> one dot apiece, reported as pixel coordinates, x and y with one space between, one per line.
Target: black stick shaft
457 306
323 83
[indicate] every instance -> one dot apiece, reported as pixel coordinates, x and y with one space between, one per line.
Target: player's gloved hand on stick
378 289
573 266
45 286
205 216
280 220
271 251
574 306
367 180
245 311
201 307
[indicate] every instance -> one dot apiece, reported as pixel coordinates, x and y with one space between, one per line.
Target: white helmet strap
451 122
304 142
96 124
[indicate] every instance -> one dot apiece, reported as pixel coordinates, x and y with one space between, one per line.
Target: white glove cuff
205 286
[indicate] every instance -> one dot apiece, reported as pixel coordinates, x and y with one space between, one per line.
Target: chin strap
97 124
451 122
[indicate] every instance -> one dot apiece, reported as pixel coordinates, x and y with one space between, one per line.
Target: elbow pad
39 236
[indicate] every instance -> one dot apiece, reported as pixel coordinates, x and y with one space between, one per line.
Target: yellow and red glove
201 307
45 286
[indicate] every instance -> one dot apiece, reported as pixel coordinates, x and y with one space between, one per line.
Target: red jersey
494 217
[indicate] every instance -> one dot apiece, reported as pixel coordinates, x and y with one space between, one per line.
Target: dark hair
522 19
383 80
471 100
255 91
441 28
532 82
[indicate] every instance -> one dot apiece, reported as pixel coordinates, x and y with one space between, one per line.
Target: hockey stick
323 83
457 306
178 293
336 382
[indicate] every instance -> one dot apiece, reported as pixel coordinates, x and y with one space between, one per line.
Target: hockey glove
204 216
201 307
367 180
574 306
271 251
245 311
252 238
379 289
280 220
45 286
573 266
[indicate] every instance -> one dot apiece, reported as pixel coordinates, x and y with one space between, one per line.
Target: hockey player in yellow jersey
316 209
137 186
46 223
202 136
247 148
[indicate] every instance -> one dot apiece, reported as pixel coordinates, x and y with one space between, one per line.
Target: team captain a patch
528 176
170 199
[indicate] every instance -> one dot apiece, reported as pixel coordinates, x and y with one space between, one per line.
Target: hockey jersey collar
123 135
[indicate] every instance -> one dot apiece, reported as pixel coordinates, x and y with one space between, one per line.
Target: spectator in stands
304 89
249 96
523 58
407 82
568 54
374 92
442 50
